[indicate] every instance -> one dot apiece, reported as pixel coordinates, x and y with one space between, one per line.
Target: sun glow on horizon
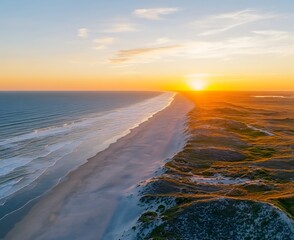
197 84
202 48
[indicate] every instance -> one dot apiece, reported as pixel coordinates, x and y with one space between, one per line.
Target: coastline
82 205
92 140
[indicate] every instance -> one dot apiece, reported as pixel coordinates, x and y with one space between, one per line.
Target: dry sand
82 206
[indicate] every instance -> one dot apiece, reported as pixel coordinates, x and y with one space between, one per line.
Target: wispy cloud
83 32
103 43
223 22
162 40
121 27
272 43
255 44
273 33
123 56
154 13
203 75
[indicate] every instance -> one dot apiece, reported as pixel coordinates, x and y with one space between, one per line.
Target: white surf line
83 206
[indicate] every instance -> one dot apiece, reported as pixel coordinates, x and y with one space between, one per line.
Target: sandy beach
82 206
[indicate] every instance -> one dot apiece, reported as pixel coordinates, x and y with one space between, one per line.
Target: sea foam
71 143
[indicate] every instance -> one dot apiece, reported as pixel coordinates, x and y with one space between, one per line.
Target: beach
207 166
83 204
147 120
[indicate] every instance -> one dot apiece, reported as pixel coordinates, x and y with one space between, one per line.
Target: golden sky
146 45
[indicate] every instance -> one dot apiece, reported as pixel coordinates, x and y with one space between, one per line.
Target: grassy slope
225 143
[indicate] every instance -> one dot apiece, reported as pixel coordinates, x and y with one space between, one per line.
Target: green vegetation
264 152
236 192
148 217
208 173
161 208
287 204
147 199
248 132
260 173
221 145
170 213
258 187
159 233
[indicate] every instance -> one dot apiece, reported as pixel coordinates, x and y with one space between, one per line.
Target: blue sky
128 38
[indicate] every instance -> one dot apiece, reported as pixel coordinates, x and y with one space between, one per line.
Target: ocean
45 135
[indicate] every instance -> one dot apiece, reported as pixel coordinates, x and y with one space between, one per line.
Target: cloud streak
154 13
102 43
123 56
163 40
224 22
272 43
120 28
83 32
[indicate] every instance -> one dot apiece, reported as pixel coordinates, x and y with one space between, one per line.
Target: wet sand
81 207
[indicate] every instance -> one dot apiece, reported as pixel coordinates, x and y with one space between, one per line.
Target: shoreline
95 187
23 200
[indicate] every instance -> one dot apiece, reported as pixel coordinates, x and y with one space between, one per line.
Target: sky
147 45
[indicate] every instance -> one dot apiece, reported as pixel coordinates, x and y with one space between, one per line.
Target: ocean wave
72 143
7 186
8 165
38 133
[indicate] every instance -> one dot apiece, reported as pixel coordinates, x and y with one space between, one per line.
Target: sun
197 84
